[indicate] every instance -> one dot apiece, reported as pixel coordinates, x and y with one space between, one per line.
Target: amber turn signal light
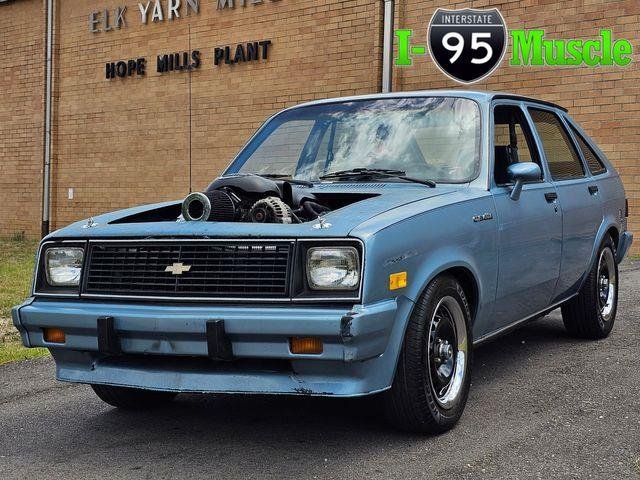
397 280
53 335
305 345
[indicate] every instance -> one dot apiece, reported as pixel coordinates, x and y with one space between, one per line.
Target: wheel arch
608 227
613 232
469 285
465 275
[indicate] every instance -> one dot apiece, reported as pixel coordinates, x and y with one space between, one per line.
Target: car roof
478 95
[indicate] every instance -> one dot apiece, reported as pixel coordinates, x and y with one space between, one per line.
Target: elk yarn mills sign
154 11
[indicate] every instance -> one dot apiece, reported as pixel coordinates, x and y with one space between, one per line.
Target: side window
282 148
596 166
562 157
512 141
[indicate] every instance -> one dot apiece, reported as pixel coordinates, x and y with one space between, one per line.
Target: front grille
208 269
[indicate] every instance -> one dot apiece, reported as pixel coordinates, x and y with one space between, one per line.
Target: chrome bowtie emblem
178 268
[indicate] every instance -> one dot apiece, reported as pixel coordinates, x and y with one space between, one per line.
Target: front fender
427 244
438 263
428 267
447 258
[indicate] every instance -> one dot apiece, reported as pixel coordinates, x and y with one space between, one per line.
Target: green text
531 48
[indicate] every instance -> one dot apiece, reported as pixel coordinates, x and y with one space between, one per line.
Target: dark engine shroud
252 198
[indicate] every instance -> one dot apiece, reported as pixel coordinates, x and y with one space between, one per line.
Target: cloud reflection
430 138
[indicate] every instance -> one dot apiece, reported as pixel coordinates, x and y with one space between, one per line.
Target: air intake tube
214 205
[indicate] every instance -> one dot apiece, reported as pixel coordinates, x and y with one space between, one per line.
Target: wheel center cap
445 351
604 287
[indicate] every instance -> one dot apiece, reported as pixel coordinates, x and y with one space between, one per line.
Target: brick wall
21 116
605 101
124 142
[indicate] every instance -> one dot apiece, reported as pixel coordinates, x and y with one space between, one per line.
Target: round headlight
333 268
63 266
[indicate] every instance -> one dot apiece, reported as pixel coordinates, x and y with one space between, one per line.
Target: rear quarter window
562 157
596 166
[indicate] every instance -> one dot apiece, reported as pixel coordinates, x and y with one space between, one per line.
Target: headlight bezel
75 257
350 254
41 282
301 290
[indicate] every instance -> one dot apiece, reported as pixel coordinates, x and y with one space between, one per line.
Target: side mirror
521 173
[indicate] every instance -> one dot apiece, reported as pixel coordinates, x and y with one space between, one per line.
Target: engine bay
252 198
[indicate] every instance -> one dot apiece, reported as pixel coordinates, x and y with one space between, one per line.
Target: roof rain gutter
46 174
387 46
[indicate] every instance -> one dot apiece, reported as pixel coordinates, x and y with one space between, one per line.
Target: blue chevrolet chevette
355 246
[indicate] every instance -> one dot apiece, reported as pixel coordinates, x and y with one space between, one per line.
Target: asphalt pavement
542 405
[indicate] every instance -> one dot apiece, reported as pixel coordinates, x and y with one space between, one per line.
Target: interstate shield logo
467 45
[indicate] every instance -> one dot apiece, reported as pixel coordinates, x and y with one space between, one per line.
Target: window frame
478 177
530 136
586 173
576 136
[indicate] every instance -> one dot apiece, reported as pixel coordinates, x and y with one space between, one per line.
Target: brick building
124 141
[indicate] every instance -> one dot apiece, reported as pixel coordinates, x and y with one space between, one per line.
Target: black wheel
132 398
432 379
592 313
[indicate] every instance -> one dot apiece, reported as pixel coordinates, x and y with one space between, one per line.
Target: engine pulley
271 210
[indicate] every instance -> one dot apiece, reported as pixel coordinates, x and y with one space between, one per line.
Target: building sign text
191 60
154 11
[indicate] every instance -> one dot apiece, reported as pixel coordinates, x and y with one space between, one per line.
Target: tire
412 403
132 398
592 313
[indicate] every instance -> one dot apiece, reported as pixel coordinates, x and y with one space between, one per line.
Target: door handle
551 197
593 189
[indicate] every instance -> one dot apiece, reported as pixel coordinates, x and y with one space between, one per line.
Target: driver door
529 229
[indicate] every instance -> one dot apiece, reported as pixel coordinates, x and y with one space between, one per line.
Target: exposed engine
271 210
252 198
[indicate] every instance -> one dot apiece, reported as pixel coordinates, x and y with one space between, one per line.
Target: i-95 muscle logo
467 45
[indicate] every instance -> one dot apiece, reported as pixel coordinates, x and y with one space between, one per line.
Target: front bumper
164 347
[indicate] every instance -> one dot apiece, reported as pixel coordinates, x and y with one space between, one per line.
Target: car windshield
428 138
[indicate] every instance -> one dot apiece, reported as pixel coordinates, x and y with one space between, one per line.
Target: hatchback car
355 246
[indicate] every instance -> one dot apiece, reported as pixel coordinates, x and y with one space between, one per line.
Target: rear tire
433 376
592 313
132 398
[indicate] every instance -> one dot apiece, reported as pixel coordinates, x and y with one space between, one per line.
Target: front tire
132 398
433 376
592 313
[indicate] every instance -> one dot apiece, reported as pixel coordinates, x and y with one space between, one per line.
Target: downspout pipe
387 46
46 174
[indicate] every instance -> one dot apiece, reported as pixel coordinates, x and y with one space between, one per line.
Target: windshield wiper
278 176
272 175
375 173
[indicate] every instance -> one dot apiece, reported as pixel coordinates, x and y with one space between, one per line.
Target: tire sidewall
605 326
440 288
